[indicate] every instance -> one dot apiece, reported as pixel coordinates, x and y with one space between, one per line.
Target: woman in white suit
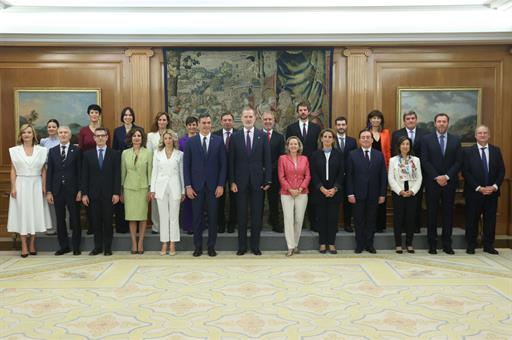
404 178
167 187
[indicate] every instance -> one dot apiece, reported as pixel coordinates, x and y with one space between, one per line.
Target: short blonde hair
19 140
174 137
301 146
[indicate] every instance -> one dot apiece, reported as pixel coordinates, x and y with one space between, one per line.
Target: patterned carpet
308 296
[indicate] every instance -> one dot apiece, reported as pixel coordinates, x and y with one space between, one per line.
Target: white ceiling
263 22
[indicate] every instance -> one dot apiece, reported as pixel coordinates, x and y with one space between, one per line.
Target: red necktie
268 136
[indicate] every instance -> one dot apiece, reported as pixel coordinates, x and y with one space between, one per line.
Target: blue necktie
248 142
441 143
486 167
100 159
205 151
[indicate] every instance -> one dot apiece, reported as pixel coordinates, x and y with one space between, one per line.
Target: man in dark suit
483 172
366 189
415 134
204 170
226 120
276 141
308 133
101 187
62 189
441 160
250 175
345 144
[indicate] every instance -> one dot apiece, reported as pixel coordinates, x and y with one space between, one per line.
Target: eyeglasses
100 135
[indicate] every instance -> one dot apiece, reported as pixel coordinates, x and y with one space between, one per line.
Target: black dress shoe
231 229
432 251
62 251
358 250
89 232
448 251
491 251
212 252
95 251
198 252
256 252
349 229
371 249
240 252
77 252
380 231
470 251
107 253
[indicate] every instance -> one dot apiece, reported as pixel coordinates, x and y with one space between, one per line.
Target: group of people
309 170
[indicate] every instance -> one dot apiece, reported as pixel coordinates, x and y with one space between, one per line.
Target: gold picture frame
36 105
462 104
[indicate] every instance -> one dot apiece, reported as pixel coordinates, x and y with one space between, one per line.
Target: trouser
65 201
204 197
447 197
327 212
231 220
294 209
365 218
101 213
477 205
254 196
404 218
272 195
169 217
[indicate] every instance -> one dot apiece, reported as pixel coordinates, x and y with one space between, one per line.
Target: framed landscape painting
68 105
462 105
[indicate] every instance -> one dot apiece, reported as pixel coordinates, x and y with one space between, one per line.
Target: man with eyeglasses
101 187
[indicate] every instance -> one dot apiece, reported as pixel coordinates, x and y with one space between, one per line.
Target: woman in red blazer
294 177
381 142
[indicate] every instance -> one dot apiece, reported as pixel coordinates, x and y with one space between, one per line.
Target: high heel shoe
289 253
410 250
24 255
32 252
399 250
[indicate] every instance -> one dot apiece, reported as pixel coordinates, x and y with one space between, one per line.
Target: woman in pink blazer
294 177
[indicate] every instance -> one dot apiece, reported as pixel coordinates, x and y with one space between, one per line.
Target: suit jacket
435 164
311 142
254 168
473 170
119 140
101 183
136 175
202 169
416 145
67 173
291 177
167 173
350 144
366 181
276 150
318 174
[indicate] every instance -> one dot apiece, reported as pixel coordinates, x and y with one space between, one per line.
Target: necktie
411 136
304 131
486 167
63 154
248 142
268 136
228 137
367 156
441 143
205 151
342 143
100 159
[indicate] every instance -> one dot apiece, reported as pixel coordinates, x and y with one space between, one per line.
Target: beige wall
364 78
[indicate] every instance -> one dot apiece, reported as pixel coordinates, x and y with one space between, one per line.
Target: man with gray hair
62 189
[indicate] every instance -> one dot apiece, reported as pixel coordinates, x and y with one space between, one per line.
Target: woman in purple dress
186 206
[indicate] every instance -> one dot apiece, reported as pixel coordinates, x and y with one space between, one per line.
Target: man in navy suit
345 144
415 134
204 170
308 133
62 189
229 221
441 160
250 171
101 187
276 141
366 189
483 172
